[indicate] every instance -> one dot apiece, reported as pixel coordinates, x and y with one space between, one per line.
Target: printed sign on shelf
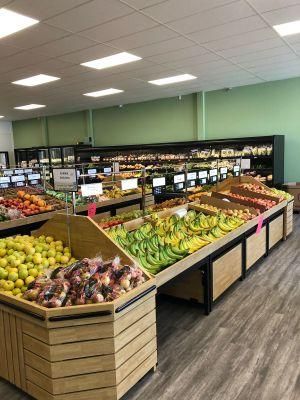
179 178
4 179
223 170
8 172
19 171
157 182
128 184
18 178
34 177
91 189
28 171
65 179
246 163
92 171
213 172
191 176
107 170
92 210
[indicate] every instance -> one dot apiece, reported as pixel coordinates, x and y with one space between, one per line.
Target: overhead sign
65 179
91 189
128 184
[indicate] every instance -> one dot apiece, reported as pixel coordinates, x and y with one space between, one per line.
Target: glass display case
4 159
55 156
43 157
68 155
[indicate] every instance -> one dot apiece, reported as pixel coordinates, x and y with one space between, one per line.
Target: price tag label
92 171
191 183
19 171
128 184
28 171
179 178
92 210
34 177
191 176
158 182
91 189
8 172
18 178
259 224
107 170
65 179
213 172
236 168
4 179
223 170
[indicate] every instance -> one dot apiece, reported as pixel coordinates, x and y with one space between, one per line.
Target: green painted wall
28 133
66 128
262 109
164 120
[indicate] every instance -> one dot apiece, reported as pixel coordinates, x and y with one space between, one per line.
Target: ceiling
224 43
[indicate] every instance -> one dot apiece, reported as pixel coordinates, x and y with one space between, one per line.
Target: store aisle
248 348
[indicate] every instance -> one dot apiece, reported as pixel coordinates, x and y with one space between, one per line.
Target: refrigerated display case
45 156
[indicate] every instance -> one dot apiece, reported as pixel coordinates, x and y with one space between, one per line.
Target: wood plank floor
247 349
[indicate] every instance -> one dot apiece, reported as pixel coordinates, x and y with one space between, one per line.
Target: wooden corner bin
89 352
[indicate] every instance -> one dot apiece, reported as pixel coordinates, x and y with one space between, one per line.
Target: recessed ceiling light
30 107
104 92
173 79
111 61
11 22
1 116
290 28
36 80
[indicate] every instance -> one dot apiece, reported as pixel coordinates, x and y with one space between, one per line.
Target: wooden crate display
288 218
255 247
95 351
276 231
226 270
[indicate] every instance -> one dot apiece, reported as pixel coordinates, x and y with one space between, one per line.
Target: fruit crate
219 203
94 351
288 219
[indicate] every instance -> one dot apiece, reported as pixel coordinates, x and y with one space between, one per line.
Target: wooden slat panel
132 363
21 353
135 330
36 331
69 351
136 375
15 350
71 384
188 287
226 270
3 363
10 367
276 231
255 247
137 313
98 394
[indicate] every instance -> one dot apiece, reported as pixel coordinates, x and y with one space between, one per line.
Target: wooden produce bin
276 231
88 352
288 219
256 247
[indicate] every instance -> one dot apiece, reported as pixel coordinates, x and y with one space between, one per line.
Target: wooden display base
95 351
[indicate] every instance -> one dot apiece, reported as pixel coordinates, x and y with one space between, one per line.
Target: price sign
191 176
91 189
191 183
19 171
8 172
28 171
4 179
107 170
203 175
246 163
18 178
65 179
92 210
92 171
34 177
128 184
213 172
236 170
157 182
223 173
179 178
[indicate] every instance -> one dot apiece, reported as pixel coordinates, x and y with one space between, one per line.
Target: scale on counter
179 182
213 175
159 185
203 176
223 173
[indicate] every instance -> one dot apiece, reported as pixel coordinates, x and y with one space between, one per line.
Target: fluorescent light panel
36 80
105 92
30 107
11 22
1 116
290 28
111 61
173 79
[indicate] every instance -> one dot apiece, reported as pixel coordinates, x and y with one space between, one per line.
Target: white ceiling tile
6 51
283 15
281 50
268 5
143 38
88 54
90 14
251 48
42 9
22 59
179 54
226 30
139 4
213 17
119 27
270 60
63 46
193 61
34 36
242 39
163 47
171 10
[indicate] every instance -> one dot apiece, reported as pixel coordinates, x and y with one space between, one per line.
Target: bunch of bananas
161 242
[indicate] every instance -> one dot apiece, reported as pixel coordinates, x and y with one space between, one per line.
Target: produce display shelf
93 351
